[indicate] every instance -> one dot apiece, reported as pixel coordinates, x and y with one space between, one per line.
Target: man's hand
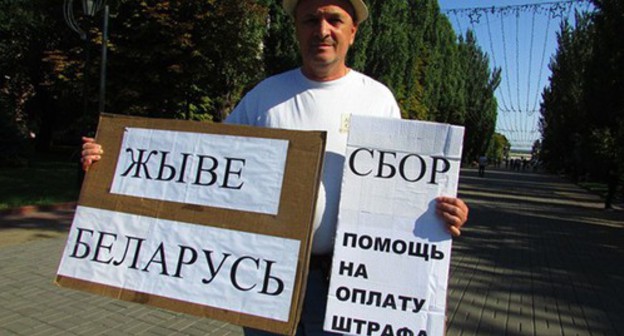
454 212
91 152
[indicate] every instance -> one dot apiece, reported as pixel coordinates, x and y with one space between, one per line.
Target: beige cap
361 12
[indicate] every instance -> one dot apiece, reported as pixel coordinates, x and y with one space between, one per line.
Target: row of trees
195 60
582 114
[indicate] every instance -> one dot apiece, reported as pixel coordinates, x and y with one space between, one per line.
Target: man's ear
353 33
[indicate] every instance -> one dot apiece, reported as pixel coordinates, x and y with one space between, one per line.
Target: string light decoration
512 36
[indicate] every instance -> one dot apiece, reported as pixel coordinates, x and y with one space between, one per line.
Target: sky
519 37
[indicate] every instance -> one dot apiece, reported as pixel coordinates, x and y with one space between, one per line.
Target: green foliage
481 105
604 88
51 179
499 147
564 119
280 45
13 145
387 53
412 48
582 120
195 60
443 76
31 32
183 59
536 150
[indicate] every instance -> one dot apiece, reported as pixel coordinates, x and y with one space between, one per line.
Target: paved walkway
538 257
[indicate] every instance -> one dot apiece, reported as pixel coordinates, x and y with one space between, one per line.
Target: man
320 95
483 161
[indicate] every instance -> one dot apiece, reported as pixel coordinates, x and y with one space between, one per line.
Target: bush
14 147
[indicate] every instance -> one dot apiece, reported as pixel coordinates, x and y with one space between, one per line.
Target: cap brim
361 11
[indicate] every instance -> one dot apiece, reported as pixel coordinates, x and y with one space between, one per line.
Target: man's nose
323 28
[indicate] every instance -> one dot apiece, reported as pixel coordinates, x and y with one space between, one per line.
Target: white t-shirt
292 101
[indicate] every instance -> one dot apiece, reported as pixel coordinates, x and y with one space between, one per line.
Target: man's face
325 31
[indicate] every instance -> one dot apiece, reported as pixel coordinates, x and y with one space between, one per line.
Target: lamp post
90 8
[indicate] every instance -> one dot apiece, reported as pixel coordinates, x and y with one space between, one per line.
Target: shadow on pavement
539 256
28 224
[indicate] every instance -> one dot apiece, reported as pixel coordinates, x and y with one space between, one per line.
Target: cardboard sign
392 253
208 219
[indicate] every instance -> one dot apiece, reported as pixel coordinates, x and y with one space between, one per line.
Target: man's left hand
454 212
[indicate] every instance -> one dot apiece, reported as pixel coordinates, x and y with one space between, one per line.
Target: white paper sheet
228 269
392 253
232 172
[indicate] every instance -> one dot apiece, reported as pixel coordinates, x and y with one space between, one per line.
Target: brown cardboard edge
304 258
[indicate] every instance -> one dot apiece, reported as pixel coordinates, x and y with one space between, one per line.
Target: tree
563 119
30 30
184 59
536 150
195 59
481 106
388 64
499 148
604 93
280 45
412 48
444 81
583 106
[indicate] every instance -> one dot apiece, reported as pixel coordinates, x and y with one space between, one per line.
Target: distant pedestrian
483 161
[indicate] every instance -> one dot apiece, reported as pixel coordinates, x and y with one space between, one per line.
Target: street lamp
90 8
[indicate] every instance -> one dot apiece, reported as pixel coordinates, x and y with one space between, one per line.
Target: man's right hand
91 152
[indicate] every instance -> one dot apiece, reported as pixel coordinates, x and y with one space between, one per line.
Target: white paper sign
392 253
233 172
233 270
